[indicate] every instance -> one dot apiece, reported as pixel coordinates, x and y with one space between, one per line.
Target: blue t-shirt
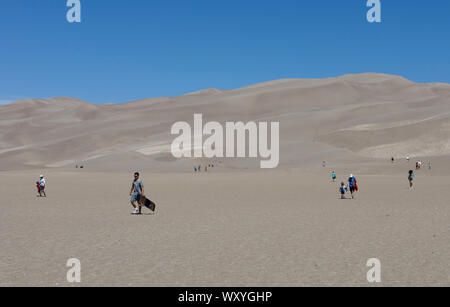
137 187
352 181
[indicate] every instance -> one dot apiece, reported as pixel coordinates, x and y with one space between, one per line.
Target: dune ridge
364 115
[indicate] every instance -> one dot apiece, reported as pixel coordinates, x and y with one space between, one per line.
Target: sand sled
147 203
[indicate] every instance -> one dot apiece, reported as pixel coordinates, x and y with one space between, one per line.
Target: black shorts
352 189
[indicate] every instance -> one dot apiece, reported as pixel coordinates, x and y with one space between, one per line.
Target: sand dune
371 115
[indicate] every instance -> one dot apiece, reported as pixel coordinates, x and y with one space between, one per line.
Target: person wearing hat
352 184
42 186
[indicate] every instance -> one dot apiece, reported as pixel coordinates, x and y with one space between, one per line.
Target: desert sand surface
282 228
236 225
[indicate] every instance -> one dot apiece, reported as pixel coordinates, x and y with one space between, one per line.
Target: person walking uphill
342 189
137 190
333 176
411 179
352 184
41 186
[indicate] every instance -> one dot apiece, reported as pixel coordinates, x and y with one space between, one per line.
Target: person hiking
410 179
352 184
333 176
343 189
137 190
41 184
38 186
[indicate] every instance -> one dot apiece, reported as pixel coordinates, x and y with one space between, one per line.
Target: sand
279 228
236 225
372 116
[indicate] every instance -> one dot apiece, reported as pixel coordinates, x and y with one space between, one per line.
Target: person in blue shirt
411 178
136 192
352 184
333 176
343 189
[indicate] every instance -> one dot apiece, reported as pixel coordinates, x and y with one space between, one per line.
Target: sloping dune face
370 115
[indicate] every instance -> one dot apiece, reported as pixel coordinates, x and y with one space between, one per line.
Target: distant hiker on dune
418 164
333 176
41 186
137 190
352 184
410 179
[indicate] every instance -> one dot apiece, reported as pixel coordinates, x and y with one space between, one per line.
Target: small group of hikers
352 186
418 163
199 168
411 174
343 188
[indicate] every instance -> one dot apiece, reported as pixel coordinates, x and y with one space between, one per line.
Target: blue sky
127 50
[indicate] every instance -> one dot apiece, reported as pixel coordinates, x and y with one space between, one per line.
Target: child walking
343 189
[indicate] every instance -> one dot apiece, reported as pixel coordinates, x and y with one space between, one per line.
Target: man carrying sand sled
138 198
136 192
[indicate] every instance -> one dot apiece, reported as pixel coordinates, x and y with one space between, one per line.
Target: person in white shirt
42 186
